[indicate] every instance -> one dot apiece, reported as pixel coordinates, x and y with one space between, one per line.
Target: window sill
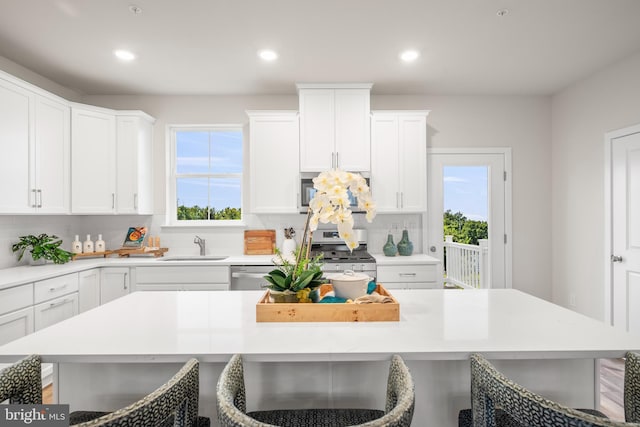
206 224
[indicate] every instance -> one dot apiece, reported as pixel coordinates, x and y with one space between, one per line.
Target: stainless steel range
337 256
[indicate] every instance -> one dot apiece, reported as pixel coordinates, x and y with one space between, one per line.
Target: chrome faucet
200 242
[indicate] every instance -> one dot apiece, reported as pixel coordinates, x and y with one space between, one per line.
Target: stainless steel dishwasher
249 277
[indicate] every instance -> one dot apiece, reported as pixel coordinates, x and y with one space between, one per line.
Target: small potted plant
292 281
42 248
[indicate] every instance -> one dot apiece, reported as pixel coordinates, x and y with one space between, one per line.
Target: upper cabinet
93 161
334 127
34 139
399 160
273 159
134 160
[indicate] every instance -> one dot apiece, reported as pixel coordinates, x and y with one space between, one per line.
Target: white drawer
407 273
54 311
180 275
53 288
17 297
184 287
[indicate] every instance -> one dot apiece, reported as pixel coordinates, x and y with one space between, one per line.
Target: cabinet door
134 161
273 148
52 156
317 129
16 325
413 163
56 310
114 283
385 163
16 173
92 162
352 130
88 290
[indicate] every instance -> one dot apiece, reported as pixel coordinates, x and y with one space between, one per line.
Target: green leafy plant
42 246
295 276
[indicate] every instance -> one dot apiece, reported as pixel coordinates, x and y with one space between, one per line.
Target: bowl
350 284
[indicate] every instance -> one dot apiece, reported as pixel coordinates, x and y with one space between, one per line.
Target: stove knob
353 267
337 267
361 267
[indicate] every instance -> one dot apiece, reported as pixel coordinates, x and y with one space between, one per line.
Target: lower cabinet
16 324
182 278
415 276
114 283
55 310
88 289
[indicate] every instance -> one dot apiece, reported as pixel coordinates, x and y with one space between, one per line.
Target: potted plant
42 247
292 281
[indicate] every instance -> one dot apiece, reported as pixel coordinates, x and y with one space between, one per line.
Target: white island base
116 353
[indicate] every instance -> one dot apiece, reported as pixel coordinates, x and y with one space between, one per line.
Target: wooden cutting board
259 242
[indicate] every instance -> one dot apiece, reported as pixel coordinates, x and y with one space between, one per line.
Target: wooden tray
259 242
91 255
309 312
125 252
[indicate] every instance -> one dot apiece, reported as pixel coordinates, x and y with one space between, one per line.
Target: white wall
581 115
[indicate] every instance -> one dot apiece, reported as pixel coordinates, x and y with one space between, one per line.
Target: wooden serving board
125 252
259 242
318 312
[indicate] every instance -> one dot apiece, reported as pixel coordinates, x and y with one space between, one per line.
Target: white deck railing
467 265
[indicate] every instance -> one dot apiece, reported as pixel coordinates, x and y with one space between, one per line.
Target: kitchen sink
194 258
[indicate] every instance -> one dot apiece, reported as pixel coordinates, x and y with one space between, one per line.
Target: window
205 181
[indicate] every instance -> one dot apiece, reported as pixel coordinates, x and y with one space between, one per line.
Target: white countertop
434 325
414 259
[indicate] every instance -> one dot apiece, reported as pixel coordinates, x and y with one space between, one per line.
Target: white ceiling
210 46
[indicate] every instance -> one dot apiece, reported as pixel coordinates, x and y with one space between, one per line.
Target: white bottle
87 246
76 246
100 244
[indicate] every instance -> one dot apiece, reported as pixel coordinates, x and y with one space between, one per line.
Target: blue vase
390 248
405 247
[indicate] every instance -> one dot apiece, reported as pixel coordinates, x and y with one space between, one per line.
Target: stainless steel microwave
307 191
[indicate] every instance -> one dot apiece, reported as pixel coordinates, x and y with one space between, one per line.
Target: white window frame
171 208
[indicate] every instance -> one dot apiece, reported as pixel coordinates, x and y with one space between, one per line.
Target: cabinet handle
337 160
124 280
402 199
56 304
35 198
407 274
333 160
58 288
135 201
397 200
113 200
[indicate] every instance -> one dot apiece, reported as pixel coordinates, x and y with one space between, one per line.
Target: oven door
249 277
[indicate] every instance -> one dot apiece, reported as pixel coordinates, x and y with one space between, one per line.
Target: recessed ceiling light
502 12
124 55
268 55
135 9
409 55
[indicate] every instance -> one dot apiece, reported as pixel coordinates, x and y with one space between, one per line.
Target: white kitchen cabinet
55 310
16 130
88 289
114 283
51 171
410 276
334 127
274 161
93 161
55 287
182 278
16 312
399 160
134 136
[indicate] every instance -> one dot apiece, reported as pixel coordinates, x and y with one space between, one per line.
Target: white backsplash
179 240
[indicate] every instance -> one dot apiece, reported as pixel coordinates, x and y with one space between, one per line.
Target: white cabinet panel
93 161
134 193
16 324
410 276
56 310
175 275
399 161
17 297
16 142
55 287
114 283
182 287
273 159
52 156
334 128
88 289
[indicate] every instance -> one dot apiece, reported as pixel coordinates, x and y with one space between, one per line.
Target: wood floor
611 389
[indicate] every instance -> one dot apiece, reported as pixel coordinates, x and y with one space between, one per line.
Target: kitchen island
115 353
